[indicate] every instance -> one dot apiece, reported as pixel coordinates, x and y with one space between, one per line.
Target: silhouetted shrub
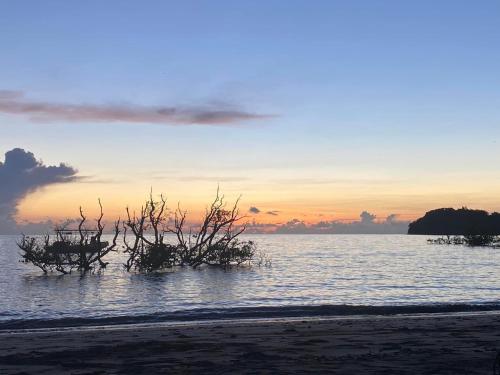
455 240
469 240
213 243
149 252
80 249
234 252
480 240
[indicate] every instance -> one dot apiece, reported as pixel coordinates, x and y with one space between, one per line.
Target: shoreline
243 322
263 313
439 343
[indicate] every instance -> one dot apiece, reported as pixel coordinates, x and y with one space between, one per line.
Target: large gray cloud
20 174
14 102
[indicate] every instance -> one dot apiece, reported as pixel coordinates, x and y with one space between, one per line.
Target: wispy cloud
333 181
254 210
97 180
273 213
14 102
212 178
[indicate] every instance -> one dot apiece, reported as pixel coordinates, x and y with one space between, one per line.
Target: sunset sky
311 110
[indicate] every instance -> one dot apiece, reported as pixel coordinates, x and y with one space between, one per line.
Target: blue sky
390 106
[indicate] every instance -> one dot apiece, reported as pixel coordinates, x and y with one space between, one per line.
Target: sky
313 111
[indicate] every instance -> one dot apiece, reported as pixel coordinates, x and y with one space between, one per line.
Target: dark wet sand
431 344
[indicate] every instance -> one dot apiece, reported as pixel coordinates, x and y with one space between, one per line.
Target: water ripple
306 270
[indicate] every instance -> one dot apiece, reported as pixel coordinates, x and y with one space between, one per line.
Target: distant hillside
448 221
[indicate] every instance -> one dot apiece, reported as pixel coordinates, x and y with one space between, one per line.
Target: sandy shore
425 344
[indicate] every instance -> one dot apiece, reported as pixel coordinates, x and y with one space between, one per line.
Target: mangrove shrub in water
81 250
468 239
213 243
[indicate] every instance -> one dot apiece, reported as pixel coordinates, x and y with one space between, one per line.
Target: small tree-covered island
467 226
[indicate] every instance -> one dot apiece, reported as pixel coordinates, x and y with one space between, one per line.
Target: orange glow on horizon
277 204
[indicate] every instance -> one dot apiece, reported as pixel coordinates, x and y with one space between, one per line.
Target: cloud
367 218
254 210
259 228
273 213
212 179
10 94
366 225
293 226
392 218
333 181
14 102
20 175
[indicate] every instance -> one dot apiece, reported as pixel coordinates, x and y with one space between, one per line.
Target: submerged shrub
233 253
468 239
148 252
448 240
35 252
480 240
213 243
79 249
157 257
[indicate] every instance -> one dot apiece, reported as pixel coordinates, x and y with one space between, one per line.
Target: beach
456 343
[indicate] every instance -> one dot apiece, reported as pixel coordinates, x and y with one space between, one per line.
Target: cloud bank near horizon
15 102
21 174
365 225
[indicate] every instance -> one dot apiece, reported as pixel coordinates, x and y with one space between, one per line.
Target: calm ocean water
306 270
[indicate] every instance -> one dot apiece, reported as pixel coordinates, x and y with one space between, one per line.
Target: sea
307 274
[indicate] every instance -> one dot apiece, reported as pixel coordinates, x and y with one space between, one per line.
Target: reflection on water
306 270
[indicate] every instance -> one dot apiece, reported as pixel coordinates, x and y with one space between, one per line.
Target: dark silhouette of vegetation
481 240
461 227
451 222
152 241
213 243
149 252
469 240
80 249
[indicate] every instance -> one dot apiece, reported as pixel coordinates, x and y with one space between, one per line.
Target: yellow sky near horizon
311 201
